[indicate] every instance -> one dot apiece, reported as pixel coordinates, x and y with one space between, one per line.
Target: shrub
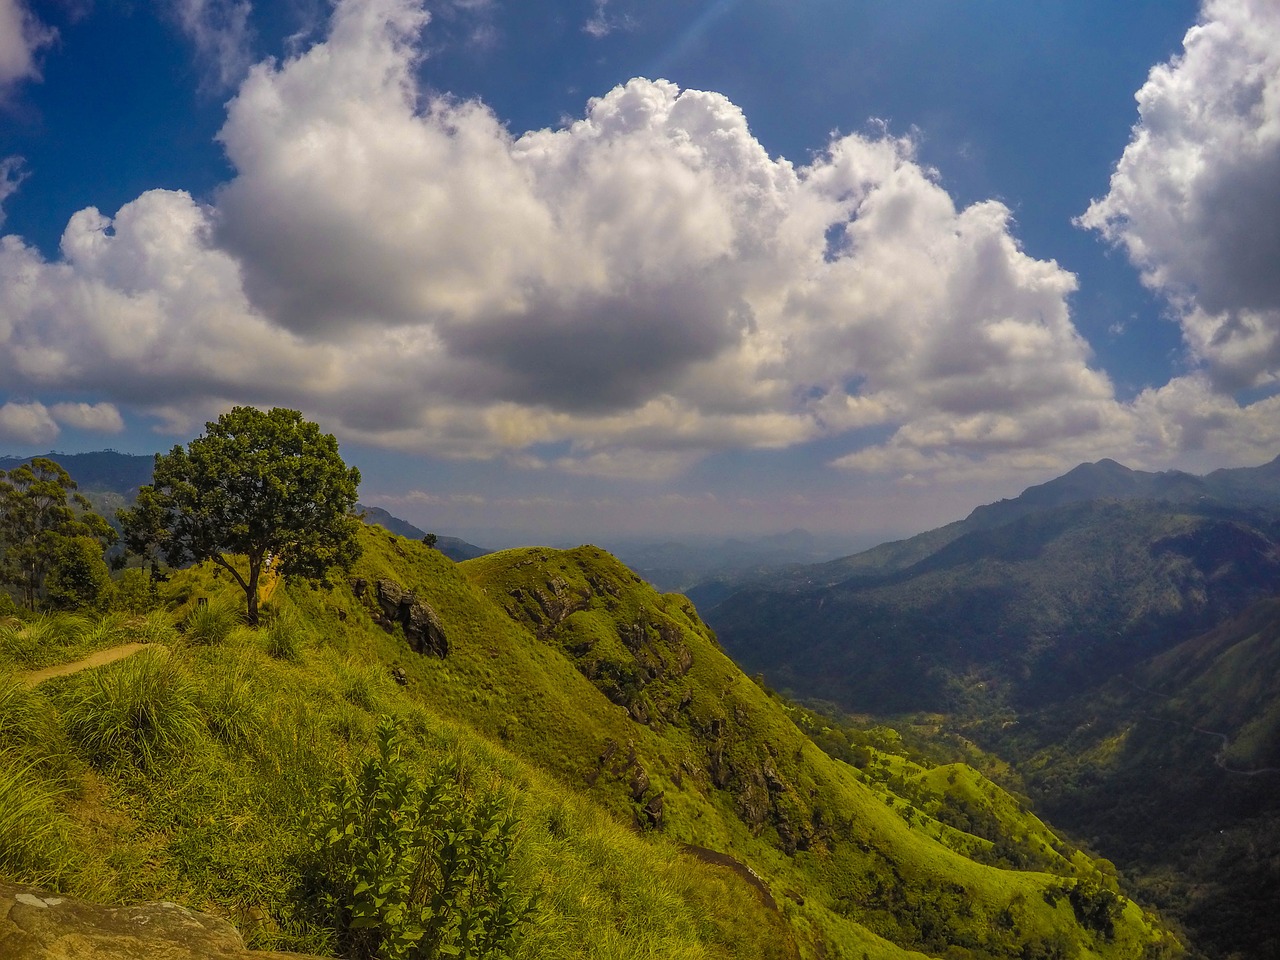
403 870
209 623
231 708
78 576
141 709
135 592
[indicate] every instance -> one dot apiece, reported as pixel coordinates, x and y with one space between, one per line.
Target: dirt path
98 659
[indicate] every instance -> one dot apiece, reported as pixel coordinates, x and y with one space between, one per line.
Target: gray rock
37 925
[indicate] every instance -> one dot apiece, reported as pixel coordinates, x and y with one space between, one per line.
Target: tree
78 576
39 512
257 489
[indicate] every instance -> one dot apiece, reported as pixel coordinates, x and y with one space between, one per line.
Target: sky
604 268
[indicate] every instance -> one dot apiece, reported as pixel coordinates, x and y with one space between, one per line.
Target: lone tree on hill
257 489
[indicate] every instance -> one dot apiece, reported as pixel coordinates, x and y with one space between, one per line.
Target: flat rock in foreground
37 925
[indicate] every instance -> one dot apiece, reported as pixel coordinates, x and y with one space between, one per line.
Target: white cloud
635 289
26 423
221 33
600 24
96 417
22 37
1195 200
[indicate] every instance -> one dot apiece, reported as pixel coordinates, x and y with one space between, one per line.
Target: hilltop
669 805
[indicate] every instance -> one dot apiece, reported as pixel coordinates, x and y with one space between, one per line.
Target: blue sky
575 270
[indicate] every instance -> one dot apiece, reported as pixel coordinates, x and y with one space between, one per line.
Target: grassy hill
667 804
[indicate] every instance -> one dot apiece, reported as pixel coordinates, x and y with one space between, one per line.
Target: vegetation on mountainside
1027 612
227 822
256 491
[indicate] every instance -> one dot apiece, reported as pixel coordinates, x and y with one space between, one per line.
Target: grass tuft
142 709
35 838
209 624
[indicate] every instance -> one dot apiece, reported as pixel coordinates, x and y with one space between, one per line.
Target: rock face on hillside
392 604
37 925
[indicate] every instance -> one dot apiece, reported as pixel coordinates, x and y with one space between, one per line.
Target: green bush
78 576
141 709
135 592
403 870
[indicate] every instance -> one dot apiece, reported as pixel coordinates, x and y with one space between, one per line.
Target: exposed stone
37 925
639 782
655 810
421 626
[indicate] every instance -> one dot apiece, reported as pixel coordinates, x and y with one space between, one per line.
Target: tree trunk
251 589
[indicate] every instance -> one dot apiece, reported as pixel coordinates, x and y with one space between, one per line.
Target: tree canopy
257 490
39 514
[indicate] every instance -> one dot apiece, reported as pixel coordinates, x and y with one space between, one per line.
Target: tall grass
142 709
35 838
210 623
230 705
41 640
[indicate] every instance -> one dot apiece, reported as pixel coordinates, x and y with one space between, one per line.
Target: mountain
1026 601
678 565
668 805
100 471
1172 770
452 547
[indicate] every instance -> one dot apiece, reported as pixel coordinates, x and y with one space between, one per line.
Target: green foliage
411 871
135 592
142 709
257 489
78 576
39 512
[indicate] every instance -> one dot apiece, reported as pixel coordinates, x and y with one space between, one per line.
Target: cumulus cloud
96 417
22 37
632 290
26 423
1194 200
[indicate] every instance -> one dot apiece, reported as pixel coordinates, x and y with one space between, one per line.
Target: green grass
142 709
200 769
210 623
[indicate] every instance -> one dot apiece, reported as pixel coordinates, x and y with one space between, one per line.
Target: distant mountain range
1027 600
111 480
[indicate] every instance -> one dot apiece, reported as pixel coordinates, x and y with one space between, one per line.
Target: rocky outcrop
37 925
391 605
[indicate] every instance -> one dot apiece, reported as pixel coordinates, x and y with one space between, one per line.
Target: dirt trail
98 659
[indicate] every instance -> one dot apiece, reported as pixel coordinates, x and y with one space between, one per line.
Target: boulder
422 628
38 925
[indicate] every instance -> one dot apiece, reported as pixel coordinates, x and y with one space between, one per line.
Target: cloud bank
619 296
1195 200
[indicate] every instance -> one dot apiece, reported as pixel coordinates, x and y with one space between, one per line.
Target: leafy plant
412 871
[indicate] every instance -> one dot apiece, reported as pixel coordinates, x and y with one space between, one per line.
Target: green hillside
1172 770
667 805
